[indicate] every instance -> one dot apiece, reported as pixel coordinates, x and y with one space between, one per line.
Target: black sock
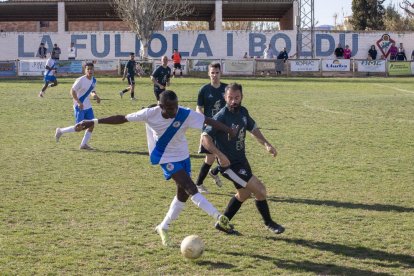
263 208
124 91
216 170
203 173
232 208
132 94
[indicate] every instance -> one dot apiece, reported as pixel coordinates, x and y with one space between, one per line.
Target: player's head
89 69
164 60
131 55
233 96
168 104
214 72
175 50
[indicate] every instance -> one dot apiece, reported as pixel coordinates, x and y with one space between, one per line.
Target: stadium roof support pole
305 23
219 15
61 17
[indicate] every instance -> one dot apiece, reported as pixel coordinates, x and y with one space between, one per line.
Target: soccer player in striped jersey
166 125
82 89
49 75
232 158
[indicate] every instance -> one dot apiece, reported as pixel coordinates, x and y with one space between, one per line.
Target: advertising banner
144 68
304 65
199 65
238 67
336 65
104 65
265 65
371 65
8 69
412 67
399 68
31 67
69 66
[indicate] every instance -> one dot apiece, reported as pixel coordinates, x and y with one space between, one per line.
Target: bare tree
145 16
408 7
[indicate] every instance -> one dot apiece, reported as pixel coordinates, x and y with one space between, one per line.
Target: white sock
86 138
199 200
175 209
67 129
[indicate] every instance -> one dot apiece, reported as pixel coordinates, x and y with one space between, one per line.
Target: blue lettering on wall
331 45
354 47
288 43
175 46
201 39
256 40
118 46
75 38
163 49
229 44
107 46
20 46
303 53
137 46
48 42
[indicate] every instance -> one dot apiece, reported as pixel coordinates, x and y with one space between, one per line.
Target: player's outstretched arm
112 120
208 143
232 132
262 140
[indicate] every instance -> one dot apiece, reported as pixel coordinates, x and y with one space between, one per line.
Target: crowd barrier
199 67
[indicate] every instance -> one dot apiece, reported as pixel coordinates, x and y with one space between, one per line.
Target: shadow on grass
195 156
354 252
302 266
215 265
349 205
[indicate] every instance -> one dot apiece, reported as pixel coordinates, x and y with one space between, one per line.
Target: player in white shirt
49 76
166 125
82 89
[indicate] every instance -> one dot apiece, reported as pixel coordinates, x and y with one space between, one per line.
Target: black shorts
177 66
238 173
131 80
157 92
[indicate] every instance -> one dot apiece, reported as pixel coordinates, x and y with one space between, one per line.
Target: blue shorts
171 168
80 115
49 79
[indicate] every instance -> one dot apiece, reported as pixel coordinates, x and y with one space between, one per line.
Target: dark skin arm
111 120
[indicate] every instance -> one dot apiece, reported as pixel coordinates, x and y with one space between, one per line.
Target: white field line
394 88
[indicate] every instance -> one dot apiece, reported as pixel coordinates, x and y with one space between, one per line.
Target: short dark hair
89 64
214 64
234 86
168 95
132 54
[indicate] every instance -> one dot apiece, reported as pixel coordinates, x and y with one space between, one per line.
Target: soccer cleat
275 228
202 189
58 134
216 178
223 224
121 94
165 239
41 94
133 99
86 147
229 232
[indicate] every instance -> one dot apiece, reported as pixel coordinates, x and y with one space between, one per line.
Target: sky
325 10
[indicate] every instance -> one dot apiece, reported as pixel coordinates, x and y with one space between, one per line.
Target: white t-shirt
50 62
81 86
156 125
72 52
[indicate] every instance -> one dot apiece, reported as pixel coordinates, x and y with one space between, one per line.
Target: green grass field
342 184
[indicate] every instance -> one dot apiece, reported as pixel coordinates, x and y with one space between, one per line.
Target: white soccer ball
192 247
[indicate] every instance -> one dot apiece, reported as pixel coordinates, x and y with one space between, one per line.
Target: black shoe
231 231
275 228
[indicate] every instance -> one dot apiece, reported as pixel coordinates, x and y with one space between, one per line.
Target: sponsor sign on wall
31 67
371 65
304 65
69 66
200 65
336 65
399 68
238 67
8 69
104 65
265 65
412 67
